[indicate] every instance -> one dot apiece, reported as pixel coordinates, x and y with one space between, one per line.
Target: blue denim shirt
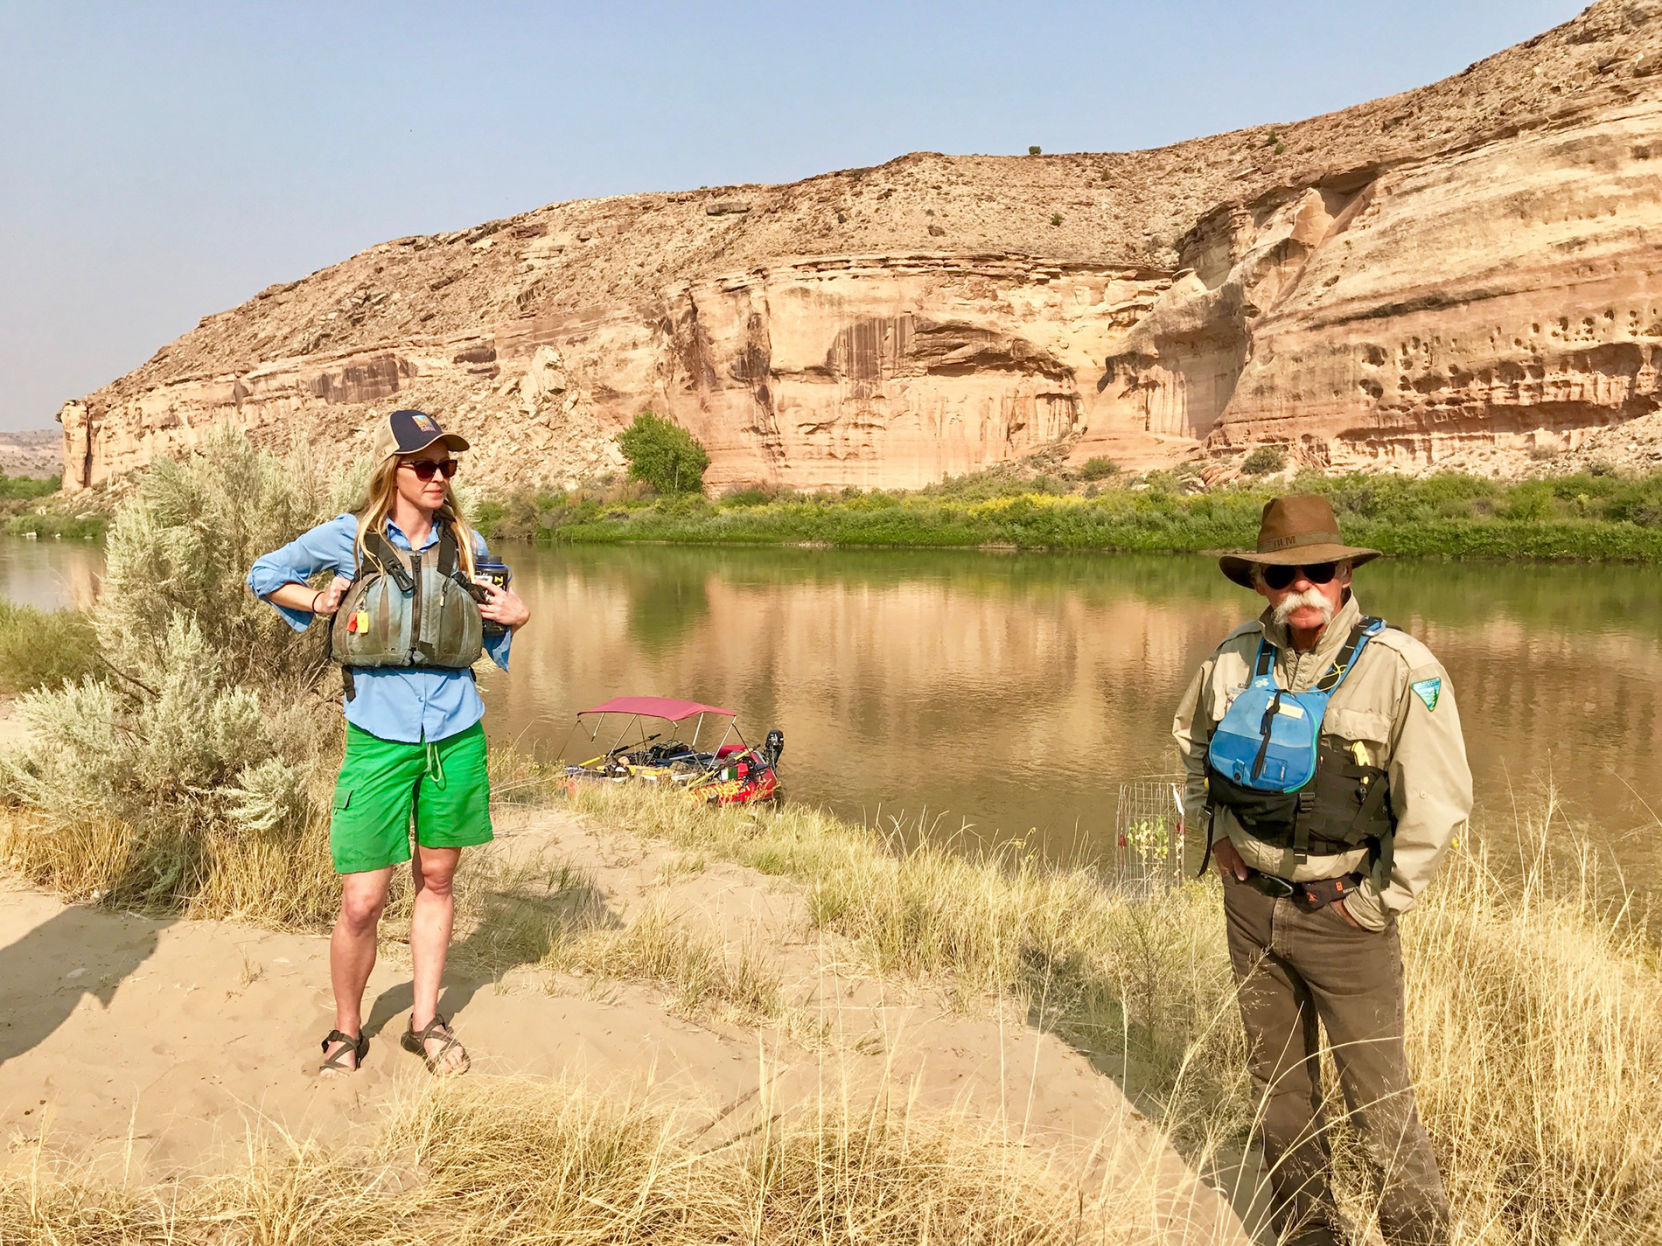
395 703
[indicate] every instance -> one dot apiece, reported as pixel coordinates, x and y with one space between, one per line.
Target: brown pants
1295 968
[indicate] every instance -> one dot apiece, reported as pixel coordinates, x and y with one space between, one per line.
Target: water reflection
1019 691
49 574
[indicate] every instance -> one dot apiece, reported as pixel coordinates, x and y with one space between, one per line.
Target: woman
403 564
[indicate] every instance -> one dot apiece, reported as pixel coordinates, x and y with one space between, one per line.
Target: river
1014 693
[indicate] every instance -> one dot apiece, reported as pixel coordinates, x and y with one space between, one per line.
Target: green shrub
43 648
1099 468
1033 150
27 488
748 495
663 454
1055 218
1264 460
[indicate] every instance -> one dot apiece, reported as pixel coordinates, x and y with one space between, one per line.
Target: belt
1310 894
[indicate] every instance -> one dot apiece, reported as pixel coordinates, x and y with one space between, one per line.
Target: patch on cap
424 422
1428 690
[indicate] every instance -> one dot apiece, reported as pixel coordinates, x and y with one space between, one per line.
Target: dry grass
519 779
521 1162
1142 984
697 974
273 880
1535 998
43 648
1535 1028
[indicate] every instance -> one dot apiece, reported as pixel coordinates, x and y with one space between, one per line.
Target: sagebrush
214 731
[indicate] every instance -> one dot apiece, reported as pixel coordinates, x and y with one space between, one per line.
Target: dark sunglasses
425 469
1317 573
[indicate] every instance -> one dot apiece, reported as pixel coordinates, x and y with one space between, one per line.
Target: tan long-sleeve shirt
1395 709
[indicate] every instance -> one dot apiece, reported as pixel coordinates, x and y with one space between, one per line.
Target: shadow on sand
522 920
45 974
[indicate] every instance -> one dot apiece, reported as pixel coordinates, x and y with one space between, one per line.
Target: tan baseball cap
407 431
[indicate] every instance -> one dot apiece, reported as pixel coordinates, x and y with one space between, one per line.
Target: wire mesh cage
1149 833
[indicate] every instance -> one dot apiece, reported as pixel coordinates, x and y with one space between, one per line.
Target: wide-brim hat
408 431
1295 531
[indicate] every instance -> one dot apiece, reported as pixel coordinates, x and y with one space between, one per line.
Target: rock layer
1470 264
1508 295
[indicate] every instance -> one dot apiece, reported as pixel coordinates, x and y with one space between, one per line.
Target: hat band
1273 544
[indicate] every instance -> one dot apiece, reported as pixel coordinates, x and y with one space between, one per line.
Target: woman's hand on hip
327 600
502 605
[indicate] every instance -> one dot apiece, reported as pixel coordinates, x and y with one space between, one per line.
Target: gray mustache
1309 597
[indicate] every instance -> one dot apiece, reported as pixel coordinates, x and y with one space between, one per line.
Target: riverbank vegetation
27 488
1597 516
29 506
1534 1021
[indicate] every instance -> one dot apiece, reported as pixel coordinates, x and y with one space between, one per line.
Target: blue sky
163 161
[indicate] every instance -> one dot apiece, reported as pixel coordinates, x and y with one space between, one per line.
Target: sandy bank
155 1046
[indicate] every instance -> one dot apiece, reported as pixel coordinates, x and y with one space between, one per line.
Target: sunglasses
1317 573
426 469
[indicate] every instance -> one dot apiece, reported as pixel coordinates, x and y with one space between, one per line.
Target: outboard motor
773 746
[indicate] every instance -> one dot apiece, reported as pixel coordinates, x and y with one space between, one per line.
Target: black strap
1341 664
379 549
1266 659
450 557
1264 729
1385 855
1211 822
1304 807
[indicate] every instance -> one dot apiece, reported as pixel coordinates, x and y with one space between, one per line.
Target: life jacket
407 609
1285 783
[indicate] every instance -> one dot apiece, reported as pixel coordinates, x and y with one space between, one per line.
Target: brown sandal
415 1042
356 1045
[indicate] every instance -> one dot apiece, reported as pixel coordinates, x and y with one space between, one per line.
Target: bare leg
434 915
352 948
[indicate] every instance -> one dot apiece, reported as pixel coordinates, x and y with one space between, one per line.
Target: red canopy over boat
656 707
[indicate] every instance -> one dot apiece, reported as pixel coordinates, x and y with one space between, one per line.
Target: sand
156 1047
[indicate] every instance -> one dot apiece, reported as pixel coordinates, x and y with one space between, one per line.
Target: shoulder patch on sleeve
1428 690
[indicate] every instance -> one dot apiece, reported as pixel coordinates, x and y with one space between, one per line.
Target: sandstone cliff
1466 266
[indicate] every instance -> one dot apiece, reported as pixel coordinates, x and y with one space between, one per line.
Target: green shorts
383 782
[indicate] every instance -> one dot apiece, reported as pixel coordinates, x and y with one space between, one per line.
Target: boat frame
731 772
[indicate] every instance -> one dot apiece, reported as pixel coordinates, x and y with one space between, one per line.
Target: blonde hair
377 506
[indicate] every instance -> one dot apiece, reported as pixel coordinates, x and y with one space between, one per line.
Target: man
1328 796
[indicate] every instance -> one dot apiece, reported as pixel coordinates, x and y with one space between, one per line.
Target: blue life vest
1266 764
1268 738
